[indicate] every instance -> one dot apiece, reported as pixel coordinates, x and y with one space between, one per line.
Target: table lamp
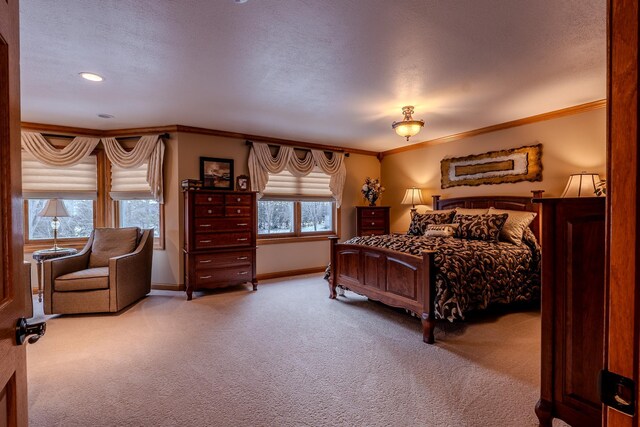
54 208
582 185
413 197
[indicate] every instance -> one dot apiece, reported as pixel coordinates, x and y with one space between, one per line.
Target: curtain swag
262 163
150 148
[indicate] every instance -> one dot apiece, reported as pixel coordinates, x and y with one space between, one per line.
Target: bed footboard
393 278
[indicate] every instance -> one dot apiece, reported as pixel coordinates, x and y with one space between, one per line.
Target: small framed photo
216 174
242 183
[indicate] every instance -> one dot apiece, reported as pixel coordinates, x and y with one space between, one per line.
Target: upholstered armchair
110 273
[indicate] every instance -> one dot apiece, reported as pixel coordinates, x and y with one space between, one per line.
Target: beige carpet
286 355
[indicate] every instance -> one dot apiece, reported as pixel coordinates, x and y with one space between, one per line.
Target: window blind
285 185
77 182
130 183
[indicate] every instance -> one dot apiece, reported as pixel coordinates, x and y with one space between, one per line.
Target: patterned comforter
471 274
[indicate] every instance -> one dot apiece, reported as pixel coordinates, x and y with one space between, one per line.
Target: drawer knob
242 239
208 199
242 257
205 225
373 223
238 211
205 241
238 199
242 225
206 261
243 273
205 277
209 211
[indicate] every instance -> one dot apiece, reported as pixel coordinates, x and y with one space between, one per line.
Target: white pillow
441 230
517 221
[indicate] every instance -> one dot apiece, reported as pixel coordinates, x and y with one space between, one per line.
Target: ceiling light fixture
408 127
93 77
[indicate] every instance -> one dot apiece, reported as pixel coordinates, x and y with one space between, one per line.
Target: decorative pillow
480 227
441 230
419 222
517 221
111 242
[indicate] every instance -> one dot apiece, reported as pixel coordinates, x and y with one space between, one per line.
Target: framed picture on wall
216 174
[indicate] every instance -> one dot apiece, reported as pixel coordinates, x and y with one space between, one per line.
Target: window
140 213
75 185
296 218
78 225
134 205
295 206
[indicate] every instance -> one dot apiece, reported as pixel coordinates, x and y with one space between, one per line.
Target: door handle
23 330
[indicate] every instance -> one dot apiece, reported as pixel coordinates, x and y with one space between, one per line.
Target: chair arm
53 268
130 274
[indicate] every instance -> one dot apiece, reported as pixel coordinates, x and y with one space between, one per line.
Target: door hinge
617 392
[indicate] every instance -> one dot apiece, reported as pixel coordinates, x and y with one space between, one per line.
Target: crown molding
576 109
123 133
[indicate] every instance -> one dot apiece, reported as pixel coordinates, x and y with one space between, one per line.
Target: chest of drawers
219 239
372 220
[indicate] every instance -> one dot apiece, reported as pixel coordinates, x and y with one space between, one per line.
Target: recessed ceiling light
240 1
91 77
106 116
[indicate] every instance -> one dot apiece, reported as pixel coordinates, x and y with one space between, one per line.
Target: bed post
333 270
434 200
428 304
537 194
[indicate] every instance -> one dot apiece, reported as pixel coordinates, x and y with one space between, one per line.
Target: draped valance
262 164
148 150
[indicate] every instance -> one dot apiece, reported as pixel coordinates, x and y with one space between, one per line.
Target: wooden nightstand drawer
372 212
372 231
373 223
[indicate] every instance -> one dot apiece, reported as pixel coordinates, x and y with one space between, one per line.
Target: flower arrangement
371 190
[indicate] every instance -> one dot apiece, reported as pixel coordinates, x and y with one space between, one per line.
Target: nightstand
372 220
45 254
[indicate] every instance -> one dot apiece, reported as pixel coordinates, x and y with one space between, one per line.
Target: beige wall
571 144
183 161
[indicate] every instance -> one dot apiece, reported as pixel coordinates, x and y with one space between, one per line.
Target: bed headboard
514 203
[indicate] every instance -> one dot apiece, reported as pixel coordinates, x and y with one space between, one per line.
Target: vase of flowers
371 190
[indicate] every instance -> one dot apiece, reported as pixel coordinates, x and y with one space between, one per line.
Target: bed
442 278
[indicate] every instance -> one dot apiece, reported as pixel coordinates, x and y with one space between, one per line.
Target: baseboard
167 287
278 274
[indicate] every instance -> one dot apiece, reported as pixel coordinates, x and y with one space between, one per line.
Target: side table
45 254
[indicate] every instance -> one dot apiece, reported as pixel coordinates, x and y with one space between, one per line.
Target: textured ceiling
333 72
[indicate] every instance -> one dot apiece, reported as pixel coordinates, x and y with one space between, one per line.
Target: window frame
158 242
298 235
98 211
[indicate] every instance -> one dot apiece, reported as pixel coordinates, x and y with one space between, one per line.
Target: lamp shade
54 208
412 196
581 185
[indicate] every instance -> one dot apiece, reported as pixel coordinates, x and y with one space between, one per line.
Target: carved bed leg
332 289
428 326
543 411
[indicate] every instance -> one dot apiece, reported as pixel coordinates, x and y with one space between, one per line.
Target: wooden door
13 370
622 344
